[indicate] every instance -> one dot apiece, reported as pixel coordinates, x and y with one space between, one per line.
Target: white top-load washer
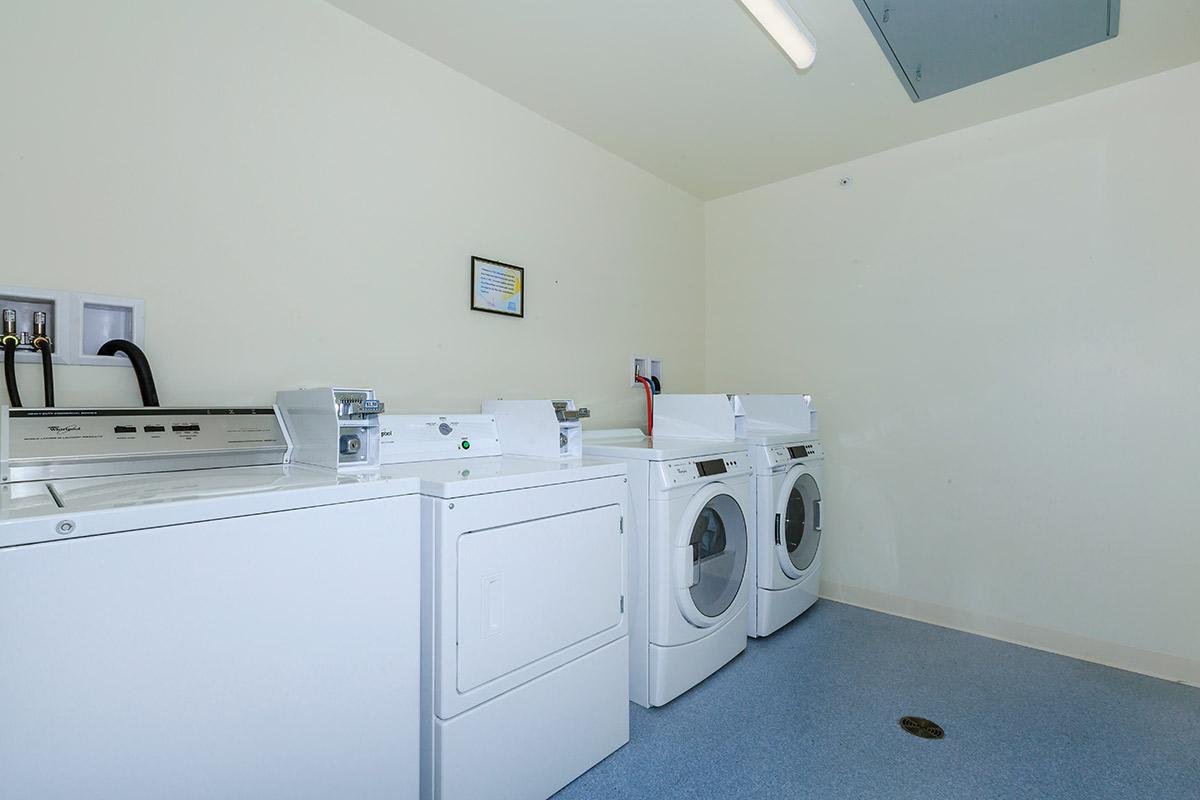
525 634
689 557
231 631
788 457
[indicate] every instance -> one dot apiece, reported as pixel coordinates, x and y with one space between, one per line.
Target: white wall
296 196
1000 326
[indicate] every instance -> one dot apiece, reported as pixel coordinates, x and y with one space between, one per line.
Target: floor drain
919 726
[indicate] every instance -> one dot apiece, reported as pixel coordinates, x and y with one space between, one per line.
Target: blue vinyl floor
812 712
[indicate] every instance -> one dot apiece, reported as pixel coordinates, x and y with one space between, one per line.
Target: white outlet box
100 317
645 366
25 302
77 323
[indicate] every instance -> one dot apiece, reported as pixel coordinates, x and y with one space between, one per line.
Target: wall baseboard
1110 654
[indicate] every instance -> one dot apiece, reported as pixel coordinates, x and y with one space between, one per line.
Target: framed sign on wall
497 288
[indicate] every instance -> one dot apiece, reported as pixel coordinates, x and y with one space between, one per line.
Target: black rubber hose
48 374
10 373
141 366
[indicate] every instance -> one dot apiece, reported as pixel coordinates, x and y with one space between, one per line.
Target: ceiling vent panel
937 46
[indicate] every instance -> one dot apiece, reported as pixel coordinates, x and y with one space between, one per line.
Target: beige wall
296 197
1000 326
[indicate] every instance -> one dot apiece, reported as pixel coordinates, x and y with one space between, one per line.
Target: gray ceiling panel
937 46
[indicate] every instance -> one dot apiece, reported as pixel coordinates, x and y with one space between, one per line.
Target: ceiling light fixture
781 23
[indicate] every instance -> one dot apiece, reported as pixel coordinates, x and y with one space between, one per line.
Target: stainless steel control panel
43 443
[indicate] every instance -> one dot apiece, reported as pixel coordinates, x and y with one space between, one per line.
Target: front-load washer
787 545
246 629
780 431
689 556
525 646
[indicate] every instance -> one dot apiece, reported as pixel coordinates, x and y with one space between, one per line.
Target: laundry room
447 399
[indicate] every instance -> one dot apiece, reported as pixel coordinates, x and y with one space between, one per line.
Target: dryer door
798 522
712 543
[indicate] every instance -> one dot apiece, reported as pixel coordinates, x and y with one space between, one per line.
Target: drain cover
919 726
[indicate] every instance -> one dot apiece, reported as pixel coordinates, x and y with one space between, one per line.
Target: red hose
649 404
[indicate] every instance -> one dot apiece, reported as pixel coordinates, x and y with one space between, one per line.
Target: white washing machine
525 646
233 631
787 490
689 555
780 431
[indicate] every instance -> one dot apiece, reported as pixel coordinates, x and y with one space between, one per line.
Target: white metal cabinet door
269 656
529 589
523 582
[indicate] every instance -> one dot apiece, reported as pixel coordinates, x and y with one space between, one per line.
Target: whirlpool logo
63 428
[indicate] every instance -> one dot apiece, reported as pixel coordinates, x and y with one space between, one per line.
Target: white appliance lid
55 510
462 477
632 444
769 439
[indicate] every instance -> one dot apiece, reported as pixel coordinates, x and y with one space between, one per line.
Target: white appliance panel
224 658
529 589
452 521
537 738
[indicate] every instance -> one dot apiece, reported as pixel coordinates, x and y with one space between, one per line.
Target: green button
466 445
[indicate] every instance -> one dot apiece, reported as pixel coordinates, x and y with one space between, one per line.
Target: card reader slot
55 495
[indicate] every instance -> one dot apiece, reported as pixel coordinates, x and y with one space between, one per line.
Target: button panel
40 437
707 468
782 455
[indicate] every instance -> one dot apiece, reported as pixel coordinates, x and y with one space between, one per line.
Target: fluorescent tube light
781 23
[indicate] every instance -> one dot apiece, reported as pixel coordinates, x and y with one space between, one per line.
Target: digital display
714 467
799 451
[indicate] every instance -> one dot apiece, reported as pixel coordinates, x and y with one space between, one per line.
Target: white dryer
233 631
787 489
525 646
690 545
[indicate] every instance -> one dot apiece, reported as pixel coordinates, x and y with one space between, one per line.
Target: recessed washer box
26 301
937 46
100 317
77 323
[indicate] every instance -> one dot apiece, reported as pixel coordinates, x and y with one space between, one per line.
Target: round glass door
719 544
801 525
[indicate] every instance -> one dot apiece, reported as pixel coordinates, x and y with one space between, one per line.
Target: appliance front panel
274 655
529 589
521 582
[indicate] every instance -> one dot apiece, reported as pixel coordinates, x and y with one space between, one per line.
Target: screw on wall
844 182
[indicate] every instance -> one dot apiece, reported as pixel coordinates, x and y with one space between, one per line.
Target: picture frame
497 287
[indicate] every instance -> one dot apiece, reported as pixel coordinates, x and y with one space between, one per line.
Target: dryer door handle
687 565
816 515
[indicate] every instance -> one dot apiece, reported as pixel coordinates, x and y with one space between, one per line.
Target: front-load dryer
525 652
690 557
787 478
